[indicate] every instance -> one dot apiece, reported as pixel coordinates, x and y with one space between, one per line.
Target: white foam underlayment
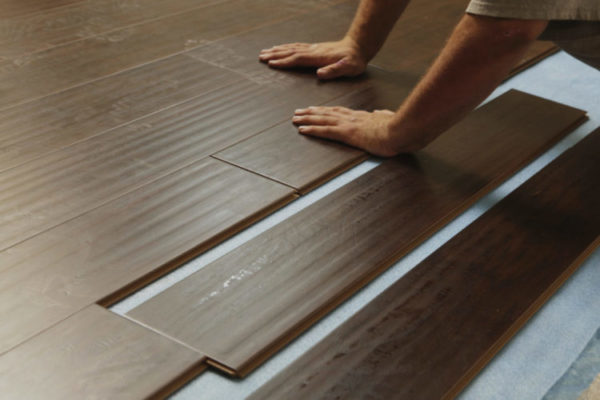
535 358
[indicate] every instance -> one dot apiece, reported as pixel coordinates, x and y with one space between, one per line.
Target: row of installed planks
135 136
237 311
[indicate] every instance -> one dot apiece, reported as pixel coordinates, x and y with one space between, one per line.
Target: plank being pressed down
46 72
303 162
427 335
96 354
112 250
31 130
243 307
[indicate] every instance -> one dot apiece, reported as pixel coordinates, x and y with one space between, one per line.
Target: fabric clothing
574 24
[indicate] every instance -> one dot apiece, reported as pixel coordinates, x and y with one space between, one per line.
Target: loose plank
31 130
302 162
50 190
112 250
243 307
427 335
96 354
46 72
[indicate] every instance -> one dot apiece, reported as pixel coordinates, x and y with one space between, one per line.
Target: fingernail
302 129
299 110
296 119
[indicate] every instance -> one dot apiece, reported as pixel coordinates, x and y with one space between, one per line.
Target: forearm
478 56
372 23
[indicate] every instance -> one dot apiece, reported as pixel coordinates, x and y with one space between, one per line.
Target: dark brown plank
239 53
46 72
246 305
50 190
302 162
112 250
79 20
96 354
31 130
427 335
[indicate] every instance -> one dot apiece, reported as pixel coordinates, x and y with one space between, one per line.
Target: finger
288 46
315 120
387 112
276 55
325 131
337 111
299 60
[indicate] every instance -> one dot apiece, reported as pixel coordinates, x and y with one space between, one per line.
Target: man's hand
370 131
334 59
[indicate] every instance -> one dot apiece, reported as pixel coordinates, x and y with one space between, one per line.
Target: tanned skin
479 54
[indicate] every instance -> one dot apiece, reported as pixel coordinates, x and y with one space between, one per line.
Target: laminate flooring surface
50 190
428 334
96 354
46 72
31 130
38 31
109 252
241 308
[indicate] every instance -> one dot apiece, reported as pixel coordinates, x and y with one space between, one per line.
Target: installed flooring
134 135
428 334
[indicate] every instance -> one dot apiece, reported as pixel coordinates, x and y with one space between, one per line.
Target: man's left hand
370 131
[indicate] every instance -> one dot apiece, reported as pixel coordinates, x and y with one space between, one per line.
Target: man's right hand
334 59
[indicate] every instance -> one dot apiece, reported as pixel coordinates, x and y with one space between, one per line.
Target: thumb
335 70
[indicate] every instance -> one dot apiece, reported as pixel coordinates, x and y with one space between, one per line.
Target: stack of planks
136 135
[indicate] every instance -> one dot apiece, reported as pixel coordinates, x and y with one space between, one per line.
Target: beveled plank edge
353 288
192 253
485 358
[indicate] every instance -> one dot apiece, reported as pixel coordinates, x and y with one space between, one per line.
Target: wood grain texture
111 251
15 8
31 130
50 190
29 33
96 354
246 305
428 334
59 68
303 162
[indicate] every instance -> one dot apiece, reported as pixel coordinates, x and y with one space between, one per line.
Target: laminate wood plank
50 190
80 20
111 251
43 73
96 354
31 130
243 307
427 335
303 162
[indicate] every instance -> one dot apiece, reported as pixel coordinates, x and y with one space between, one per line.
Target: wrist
356 48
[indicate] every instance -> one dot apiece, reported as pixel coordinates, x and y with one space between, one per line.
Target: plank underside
109 252
246 305
427 335
96 354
